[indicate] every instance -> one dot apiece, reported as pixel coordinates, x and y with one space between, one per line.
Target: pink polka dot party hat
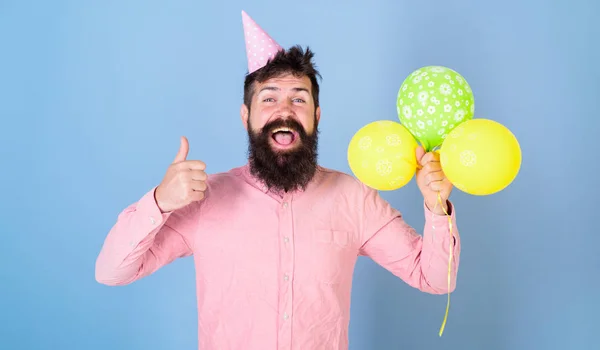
260 47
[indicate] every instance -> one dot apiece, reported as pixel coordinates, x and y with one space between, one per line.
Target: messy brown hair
294 61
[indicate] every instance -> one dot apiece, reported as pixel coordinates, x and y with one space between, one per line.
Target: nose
285 109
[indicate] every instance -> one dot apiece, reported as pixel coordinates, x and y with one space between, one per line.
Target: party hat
260 47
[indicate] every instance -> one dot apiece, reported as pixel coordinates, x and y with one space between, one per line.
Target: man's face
281 101
282 128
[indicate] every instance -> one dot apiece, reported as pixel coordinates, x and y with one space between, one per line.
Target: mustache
286 123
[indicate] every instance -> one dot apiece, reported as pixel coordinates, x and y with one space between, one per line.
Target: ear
318 113
244 115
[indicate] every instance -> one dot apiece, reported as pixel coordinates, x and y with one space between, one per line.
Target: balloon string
449 262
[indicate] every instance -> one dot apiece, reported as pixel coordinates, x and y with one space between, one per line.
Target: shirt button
285 316
286 240
286 277
285 204
152 221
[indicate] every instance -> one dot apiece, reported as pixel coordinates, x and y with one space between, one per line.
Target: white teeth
282 129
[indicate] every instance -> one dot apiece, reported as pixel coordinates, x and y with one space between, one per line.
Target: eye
269 99
299 100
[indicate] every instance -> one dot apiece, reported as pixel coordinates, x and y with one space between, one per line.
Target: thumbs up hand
184 182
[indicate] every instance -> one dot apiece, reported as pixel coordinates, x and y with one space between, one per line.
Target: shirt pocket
333 256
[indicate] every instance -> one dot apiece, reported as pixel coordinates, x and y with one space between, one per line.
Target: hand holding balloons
432 181
436 106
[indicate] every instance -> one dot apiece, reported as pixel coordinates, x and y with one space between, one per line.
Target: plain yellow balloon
382 155
480 157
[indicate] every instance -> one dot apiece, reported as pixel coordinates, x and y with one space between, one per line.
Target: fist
184 182
432 181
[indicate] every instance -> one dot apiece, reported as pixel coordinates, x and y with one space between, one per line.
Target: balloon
480 157
432 101
382 155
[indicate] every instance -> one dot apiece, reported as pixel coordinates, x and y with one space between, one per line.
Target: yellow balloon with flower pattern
480 157
382 155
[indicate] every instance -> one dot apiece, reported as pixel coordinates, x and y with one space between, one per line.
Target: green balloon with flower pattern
432 101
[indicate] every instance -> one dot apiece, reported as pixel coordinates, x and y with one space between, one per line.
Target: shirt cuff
440 221
148 216
435 224
430 214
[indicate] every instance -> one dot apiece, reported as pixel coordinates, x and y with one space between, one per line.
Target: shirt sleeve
143 240
420 260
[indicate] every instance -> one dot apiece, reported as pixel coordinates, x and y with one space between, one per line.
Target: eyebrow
273 88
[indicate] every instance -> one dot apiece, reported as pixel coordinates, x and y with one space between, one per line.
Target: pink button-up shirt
275 272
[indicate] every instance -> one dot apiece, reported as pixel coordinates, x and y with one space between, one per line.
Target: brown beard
283 170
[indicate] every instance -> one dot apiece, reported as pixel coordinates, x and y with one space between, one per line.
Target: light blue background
94 96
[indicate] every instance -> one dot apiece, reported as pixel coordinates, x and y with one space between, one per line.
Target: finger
193 165
431 167
439 185
197 195
419 153
199 186
434 176
429 158
184 148
198 175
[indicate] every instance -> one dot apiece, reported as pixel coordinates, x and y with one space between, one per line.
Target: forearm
419 260
440 251
133 249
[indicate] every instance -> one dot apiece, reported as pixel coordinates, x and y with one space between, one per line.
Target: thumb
183 150
420 152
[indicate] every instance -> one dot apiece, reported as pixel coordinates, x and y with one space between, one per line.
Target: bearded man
275 240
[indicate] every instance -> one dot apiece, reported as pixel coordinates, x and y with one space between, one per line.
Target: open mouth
284 136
